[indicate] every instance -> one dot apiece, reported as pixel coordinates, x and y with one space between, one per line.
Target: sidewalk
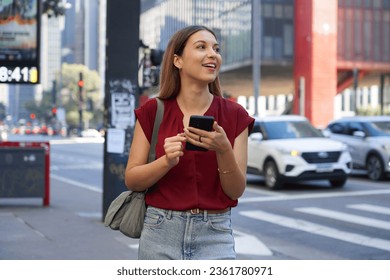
71 228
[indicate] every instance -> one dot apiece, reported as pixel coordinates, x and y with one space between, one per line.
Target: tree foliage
70 93
68 97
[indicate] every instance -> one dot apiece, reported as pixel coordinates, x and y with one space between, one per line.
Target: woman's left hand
211 140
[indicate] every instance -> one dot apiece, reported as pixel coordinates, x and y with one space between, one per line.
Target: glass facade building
232 22
364 30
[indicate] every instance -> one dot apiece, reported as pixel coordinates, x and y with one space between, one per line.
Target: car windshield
379 128
290 129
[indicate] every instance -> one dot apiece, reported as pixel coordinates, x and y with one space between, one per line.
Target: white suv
288 148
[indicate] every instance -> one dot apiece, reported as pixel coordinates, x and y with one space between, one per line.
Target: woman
188 214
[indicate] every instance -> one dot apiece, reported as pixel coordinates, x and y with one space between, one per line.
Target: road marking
371 208
77 184
264 192
311 196
247 244
85 166
345 217
318 229
90 215
76 140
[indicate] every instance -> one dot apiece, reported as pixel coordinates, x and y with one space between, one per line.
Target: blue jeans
180 235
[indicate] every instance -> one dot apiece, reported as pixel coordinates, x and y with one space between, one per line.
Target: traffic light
32 116
156 56
54 111
80 83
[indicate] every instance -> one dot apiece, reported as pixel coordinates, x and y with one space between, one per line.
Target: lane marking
84 166
302 225
76 140
264 192
370 208
310 196
247 244
345 217
77 184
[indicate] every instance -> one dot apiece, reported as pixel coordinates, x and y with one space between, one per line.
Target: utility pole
121 93
355 73
256 51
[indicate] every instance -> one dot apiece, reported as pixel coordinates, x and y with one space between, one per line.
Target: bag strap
157 122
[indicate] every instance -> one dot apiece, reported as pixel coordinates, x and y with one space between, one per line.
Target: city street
302 221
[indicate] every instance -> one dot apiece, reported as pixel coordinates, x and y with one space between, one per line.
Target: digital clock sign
18 74
19 41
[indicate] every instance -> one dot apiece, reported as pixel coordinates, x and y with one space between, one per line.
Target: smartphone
201 122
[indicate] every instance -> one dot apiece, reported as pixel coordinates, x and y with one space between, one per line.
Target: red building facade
337 42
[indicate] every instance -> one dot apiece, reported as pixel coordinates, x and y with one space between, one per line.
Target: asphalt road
302 221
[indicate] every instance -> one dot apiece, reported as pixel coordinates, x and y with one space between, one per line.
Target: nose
212 53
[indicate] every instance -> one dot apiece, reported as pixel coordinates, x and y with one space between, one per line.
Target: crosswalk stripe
313 196
345 217
318 229
371 208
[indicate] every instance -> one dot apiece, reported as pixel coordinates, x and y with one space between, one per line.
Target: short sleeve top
194 182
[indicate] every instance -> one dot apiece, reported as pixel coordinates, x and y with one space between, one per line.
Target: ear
177 61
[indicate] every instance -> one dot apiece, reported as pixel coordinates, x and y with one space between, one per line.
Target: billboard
19 41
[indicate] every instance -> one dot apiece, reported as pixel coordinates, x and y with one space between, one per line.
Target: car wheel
338 183
374 168
271 175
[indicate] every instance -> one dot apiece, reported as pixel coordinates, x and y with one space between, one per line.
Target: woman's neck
193 102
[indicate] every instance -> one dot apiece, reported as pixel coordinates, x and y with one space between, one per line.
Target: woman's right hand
173 147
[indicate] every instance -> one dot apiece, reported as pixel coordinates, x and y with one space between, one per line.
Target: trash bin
25 170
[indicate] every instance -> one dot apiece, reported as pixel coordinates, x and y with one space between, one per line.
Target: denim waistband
193 212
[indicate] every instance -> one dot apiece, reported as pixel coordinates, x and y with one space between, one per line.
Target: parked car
289 148
91 132
368 139
3 133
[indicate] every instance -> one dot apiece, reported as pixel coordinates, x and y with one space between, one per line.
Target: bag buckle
195 211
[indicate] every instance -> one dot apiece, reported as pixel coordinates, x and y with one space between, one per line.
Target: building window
288 39
267 11
377 36
278 11
358 35
289 12
268 47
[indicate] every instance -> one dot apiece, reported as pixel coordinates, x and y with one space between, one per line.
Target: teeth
210 65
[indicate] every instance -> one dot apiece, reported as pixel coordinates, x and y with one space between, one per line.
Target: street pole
381 93
256 51
54 92
121 93
355 86
81 85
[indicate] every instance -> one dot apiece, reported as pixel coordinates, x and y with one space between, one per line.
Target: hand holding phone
201 122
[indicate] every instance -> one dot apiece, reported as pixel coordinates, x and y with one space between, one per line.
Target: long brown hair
169 74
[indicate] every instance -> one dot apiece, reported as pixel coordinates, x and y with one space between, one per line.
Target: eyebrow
203 41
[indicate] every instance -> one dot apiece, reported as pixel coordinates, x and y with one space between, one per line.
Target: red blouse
194 182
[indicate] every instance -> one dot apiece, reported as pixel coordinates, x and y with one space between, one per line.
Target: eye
201 46
217 49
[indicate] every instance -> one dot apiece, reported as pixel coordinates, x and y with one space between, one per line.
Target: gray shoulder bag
126 212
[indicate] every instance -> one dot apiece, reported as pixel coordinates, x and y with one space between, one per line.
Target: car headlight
288 152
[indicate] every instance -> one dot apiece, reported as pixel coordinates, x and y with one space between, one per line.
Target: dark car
368 139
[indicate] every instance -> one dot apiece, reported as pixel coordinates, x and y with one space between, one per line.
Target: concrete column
316 58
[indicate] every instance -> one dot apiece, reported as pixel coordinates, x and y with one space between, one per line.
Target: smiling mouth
210 65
